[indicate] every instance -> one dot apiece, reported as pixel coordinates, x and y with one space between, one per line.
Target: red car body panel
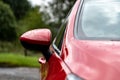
57 68
94 60
91 60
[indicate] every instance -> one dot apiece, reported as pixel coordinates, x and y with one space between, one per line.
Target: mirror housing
38 40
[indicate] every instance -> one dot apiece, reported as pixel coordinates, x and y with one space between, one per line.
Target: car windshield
99 19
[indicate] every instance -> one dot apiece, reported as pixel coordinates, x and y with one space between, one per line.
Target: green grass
17 60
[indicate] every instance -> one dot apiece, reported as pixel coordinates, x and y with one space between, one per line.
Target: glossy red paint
37 36
94 60
57 69
91 60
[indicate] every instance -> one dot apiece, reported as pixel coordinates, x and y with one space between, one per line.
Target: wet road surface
19 74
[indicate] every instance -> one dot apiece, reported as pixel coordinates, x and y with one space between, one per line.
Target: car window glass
100 20
60 35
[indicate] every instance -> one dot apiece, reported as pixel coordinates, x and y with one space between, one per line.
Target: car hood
94 60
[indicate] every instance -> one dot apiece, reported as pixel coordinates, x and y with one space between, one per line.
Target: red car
87 46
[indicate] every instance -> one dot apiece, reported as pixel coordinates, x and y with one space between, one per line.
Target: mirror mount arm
47 54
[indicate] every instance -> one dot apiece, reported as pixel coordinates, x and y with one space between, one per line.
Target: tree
32 20
60 9
19 7
55 13
7 23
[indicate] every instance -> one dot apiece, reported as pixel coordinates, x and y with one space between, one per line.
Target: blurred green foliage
7 23
19 7
59 10
18 16
32 20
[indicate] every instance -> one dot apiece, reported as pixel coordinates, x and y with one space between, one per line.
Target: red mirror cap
37 36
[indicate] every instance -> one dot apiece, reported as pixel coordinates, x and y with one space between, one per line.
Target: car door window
57 43
59 37
97 20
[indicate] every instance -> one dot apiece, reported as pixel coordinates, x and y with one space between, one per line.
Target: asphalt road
19 74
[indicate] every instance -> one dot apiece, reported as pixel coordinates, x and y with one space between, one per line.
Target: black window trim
53 44
55 47
66 22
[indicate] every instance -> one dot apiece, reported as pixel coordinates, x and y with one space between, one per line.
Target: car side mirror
38 40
